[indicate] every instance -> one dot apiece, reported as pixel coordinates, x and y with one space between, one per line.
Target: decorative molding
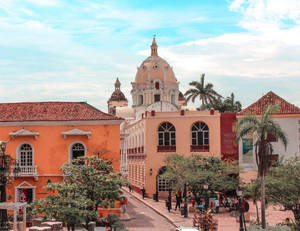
76 132
23 132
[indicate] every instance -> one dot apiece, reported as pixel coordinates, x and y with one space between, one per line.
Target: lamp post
185 208
205 187
239 193
5 162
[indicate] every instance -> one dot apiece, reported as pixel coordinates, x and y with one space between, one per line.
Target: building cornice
59 123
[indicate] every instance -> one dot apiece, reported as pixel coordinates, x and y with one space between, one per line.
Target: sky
73 50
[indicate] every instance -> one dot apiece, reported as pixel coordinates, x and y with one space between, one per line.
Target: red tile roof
260 105
51 111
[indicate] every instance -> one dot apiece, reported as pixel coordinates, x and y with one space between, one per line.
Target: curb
155 210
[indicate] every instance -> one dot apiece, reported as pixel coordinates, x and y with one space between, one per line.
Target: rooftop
51 111
261 104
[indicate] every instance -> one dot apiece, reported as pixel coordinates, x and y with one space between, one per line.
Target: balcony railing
199 148
27 170
166 148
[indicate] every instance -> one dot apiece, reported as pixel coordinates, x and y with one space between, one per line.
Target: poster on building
247 150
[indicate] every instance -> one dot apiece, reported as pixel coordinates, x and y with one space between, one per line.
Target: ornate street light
5 162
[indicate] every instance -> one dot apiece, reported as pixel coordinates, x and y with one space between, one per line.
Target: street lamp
5 162
185 208
205 187
239 193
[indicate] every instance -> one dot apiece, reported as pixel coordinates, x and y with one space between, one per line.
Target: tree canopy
89 182
205 92
197 170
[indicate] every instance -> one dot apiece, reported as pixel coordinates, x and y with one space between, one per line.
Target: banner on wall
247 150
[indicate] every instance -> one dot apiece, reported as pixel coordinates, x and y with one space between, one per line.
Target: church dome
155 68
117 95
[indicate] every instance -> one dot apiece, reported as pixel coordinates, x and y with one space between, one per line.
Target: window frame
200 140
166 137
71 150
19 154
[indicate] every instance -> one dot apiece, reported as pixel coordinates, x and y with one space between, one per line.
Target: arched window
77 150
200 137
25 155
166 137
162 184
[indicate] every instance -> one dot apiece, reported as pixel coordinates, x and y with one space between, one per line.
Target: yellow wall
183 124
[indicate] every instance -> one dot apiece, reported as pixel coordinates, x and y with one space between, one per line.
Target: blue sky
54 50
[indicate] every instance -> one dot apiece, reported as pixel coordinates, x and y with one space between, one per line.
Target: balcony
27 171
166 148
200 148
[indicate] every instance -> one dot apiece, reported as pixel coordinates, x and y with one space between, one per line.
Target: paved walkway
225 221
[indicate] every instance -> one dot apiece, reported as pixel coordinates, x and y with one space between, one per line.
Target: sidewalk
225 221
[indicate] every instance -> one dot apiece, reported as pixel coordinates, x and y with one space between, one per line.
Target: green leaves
89 182
197 170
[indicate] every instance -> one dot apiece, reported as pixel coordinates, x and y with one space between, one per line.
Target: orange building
159 123
43 136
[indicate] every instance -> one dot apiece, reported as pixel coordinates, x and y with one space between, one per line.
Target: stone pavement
226 222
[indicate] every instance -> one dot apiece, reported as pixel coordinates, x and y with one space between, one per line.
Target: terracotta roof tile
260 105
51 111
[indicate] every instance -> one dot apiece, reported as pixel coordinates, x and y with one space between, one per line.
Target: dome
117 95
155 68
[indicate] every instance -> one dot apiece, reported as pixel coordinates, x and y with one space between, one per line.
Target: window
156 98
166 137
141 101
77 150
162 184
200 137
26 155
173 99
157 85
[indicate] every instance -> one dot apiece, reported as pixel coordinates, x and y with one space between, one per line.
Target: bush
269 228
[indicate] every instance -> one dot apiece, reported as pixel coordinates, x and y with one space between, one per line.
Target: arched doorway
162 185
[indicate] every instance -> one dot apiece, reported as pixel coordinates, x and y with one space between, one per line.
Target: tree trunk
263 200
257 212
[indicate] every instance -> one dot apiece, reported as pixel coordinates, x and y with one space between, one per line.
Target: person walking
130 188
143 192
124 204
178 201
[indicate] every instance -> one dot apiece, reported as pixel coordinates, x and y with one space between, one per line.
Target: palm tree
259 128
232 105
204 91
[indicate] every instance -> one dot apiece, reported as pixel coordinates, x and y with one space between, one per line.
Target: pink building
159 123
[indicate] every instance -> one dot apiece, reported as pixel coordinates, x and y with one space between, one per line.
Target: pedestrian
124 204
217 204
178 201
169 203
130 188
143 192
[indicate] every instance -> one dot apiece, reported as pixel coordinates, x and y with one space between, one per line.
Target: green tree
282 186
89 182
197 170
259 127
231 105
205 92
227 105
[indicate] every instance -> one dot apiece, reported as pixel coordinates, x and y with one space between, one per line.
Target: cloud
46 3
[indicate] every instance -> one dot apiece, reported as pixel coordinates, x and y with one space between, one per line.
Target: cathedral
160 123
